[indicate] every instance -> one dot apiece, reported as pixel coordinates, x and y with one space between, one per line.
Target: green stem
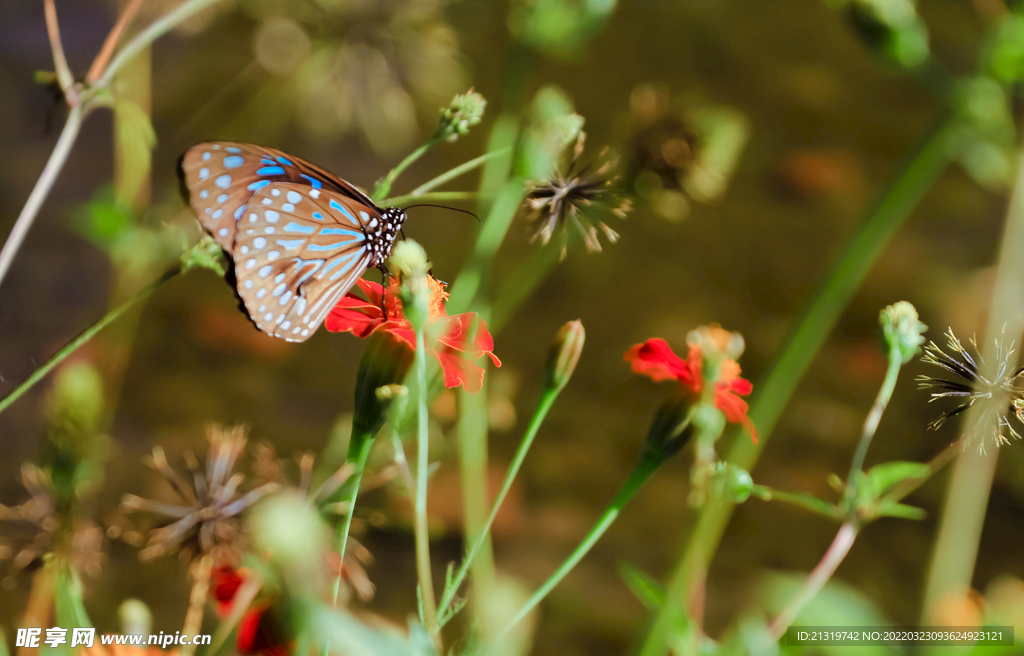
520 285
457 171
546 401
470 286
813 328
383 187
43 186
649 462
358 452
436 196
156 29
473 480
422 463
871 422
88 334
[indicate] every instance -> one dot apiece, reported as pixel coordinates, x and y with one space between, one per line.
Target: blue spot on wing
232 149
342 231
268 161
239 212
284 160
233 162
335 205
301 229
342 271
327 247
318 216
291 244
259 184
313 181
270 170
223 181
348 260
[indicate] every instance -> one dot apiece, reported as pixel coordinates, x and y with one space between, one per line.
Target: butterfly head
392 219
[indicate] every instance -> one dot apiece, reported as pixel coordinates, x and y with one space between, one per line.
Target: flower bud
733 483
672 427
411 260
465 111
902 331
288 528
564 354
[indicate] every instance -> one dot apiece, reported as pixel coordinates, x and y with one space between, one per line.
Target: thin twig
197 601
84 337
465 167
35 200
64 77
157 28
107 50
908 485
433 196
817 580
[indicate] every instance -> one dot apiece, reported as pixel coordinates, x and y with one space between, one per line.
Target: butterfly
299 236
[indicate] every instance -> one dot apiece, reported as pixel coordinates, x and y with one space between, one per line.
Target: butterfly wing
220 177
297 250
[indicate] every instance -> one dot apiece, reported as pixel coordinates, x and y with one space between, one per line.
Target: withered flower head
996 389
36 528
578 196
205 521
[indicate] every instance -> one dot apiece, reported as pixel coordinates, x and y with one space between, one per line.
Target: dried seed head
205 519
997 389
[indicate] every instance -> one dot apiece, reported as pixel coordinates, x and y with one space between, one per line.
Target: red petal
248 626
455 332
655 359
460 371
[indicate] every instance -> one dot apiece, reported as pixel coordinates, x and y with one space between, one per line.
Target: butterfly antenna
443 207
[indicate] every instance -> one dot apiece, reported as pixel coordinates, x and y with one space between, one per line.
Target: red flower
655 359
225 583
262 632
453 349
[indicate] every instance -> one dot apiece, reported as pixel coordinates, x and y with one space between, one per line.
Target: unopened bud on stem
564 354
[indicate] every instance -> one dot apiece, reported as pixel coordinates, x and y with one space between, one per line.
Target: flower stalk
562 359
649 462
822 572
423 570
903 334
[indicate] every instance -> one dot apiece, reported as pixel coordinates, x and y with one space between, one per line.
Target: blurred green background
353 86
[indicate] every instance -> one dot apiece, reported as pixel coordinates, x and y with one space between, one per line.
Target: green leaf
650 593
884 476
808 501
135 142
890 508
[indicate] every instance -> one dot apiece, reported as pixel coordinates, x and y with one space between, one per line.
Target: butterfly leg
384 283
